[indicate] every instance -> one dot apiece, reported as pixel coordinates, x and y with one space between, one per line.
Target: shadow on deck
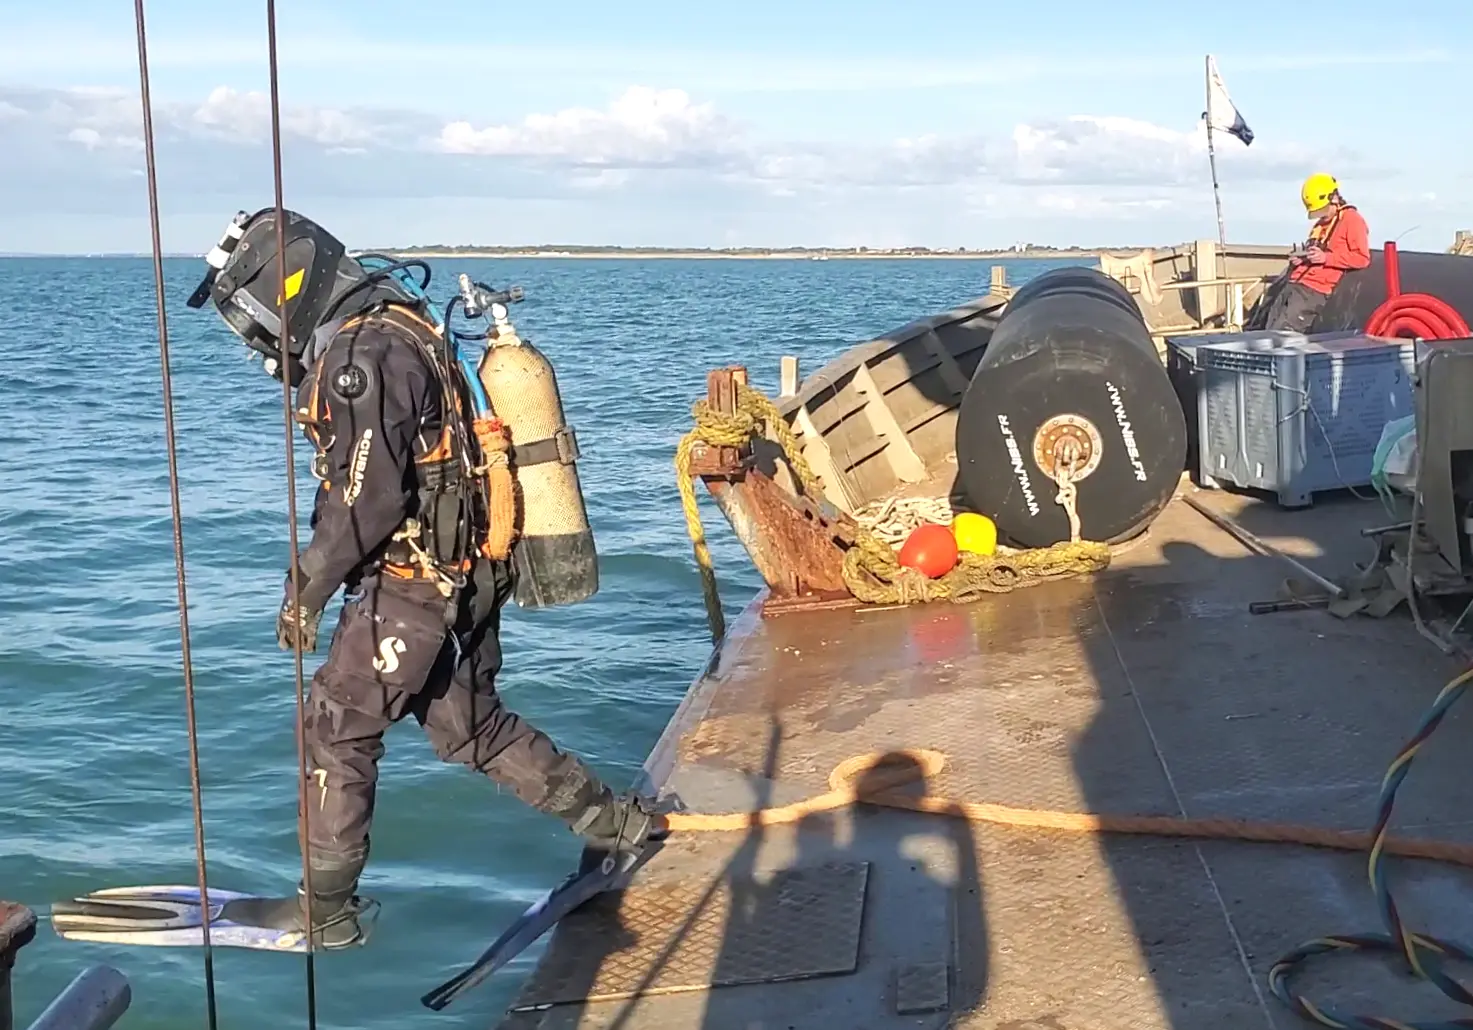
1150 690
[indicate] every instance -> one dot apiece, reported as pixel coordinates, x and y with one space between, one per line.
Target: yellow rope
872 572
866 778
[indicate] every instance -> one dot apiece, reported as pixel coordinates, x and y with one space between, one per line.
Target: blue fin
540 917
169 916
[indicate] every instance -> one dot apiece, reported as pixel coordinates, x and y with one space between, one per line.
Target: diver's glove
297 623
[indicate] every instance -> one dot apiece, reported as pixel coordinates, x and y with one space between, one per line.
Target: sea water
94 784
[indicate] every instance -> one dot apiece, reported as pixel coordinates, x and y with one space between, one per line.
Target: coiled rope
895 518
872 570
1422 953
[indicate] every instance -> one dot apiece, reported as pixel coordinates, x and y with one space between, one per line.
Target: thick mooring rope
872 570
1422 954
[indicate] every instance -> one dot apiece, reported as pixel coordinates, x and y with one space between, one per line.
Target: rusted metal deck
1149 690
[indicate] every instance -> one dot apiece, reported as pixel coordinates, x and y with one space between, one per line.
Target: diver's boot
334 909
607 822
622 823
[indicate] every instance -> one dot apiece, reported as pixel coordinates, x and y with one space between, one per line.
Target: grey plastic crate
1289 413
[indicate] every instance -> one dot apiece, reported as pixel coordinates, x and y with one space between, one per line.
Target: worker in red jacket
1339 242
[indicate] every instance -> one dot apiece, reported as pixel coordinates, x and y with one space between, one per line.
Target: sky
936 123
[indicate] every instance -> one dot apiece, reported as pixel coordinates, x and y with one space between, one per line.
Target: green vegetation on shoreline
751 253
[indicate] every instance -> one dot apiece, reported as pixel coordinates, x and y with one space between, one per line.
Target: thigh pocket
389 642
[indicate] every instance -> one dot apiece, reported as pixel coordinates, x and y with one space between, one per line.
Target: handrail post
17 929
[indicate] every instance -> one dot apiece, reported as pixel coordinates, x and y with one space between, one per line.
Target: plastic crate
1289 413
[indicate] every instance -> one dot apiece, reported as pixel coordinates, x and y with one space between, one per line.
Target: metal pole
304 837
1258 546
1212 163
95 1000
181 588
17 929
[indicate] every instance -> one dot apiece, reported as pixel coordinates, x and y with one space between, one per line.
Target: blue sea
94 785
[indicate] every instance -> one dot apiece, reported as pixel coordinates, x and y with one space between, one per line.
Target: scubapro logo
356 467
389 650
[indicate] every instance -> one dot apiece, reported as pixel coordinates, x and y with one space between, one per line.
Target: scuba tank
554 556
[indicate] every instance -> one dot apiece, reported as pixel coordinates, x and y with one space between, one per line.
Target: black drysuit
393 654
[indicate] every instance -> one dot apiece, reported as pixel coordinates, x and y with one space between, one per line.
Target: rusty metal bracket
721 396
796 542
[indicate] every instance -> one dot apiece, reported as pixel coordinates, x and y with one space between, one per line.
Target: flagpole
1212 163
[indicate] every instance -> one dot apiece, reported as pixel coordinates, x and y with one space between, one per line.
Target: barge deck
1148 689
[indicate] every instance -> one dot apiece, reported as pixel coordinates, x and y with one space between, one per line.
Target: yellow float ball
974 533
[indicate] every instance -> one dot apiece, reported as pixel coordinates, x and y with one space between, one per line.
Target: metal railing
95 1000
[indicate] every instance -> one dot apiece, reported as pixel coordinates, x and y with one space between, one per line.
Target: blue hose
1421 954
469 356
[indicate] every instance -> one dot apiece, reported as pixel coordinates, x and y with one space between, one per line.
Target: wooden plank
900 454
788 376
955 379
821 460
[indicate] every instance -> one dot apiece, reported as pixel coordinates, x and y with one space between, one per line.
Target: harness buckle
566 441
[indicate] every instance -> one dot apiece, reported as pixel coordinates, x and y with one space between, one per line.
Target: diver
395 523
1339 242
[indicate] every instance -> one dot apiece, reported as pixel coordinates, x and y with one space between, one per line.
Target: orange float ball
930 550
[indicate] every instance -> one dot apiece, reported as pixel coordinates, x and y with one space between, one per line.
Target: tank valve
479 297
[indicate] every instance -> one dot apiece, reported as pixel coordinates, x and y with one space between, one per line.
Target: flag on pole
1222 114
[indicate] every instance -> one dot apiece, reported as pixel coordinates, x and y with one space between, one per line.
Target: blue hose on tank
467 354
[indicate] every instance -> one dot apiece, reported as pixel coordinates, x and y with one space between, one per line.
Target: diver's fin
172 916
590 881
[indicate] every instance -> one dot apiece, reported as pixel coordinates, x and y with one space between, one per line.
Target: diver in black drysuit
372 398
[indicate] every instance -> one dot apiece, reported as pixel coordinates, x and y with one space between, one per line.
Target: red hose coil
1419 315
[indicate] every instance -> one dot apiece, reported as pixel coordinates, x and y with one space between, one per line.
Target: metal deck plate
1151 690
691 935
1012 689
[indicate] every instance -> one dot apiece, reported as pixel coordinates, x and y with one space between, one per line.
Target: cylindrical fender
1071 362
554 555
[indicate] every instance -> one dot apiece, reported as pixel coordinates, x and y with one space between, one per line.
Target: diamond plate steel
922 988
695 934
1061 697
1014 691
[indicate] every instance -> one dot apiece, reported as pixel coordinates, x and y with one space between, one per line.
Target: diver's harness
463 505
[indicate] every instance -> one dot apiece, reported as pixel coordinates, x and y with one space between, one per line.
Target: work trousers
393 655
1295 308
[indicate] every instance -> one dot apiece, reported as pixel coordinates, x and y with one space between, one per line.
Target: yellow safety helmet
1317 190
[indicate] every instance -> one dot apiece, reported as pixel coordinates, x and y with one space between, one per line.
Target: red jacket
1346 241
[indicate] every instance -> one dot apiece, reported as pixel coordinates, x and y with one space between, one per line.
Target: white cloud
245 117
642 128
642 147
650 131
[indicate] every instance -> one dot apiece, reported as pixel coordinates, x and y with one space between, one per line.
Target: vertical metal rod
291 506
179 576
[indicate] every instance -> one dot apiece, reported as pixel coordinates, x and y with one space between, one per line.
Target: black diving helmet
322 283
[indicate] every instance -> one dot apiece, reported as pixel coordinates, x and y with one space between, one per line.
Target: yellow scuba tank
554 554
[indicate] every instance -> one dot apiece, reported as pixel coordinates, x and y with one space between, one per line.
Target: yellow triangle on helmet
293 285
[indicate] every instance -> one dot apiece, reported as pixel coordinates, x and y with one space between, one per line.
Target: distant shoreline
657 253
744 254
